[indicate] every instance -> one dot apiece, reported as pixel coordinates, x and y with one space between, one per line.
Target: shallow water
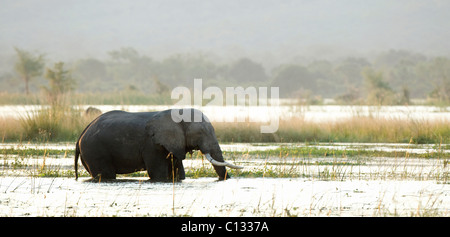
323 186
25 196
230 147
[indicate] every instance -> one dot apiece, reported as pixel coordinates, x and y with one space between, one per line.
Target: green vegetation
285 162
394 77
60 82
379 90
28 66
284 151
129 77
57 123
36 152
313 151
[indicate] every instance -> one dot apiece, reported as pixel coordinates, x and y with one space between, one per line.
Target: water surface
315 185
24 196
319 113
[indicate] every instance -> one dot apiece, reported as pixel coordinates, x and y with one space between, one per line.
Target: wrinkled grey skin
119 142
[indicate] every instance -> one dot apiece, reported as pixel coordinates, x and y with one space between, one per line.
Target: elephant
119 142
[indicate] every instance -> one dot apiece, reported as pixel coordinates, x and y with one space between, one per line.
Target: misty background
349 50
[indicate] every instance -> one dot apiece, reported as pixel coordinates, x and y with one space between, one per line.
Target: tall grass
60 121
19 99
53 123
10 129
64 123
355 129
125 97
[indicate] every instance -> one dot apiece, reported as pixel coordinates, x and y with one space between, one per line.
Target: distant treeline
393 77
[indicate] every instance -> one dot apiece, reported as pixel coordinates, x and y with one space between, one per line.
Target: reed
355 129
124 97
55 123
64 123
10 129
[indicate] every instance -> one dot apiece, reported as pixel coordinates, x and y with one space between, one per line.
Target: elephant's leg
176 169
157 171
157 166
100 168
181 173
103 173
108 173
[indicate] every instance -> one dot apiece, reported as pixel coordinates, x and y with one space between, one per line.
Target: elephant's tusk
218 163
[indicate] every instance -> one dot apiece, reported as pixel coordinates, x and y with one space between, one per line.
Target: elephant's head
179 135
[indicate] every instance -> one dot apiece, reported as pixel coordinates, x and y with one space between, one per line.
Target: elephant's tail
77 154
77 148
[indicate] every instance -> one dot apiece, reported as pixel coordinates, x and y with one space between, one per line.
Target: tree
348 73
28 66
161 88
60 81
245 70
125 54
439 75
379 91
129 67
91 74
393 57
294 81
327 85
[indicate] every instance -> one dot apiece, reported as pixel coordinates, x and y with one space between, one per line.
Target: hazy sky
228 28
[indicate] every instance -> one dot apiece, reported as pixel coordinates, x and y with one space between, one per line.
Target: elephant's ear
167 133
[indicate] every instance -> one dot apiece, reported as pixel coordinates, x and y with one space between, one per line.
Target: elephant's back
120 117
119 126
